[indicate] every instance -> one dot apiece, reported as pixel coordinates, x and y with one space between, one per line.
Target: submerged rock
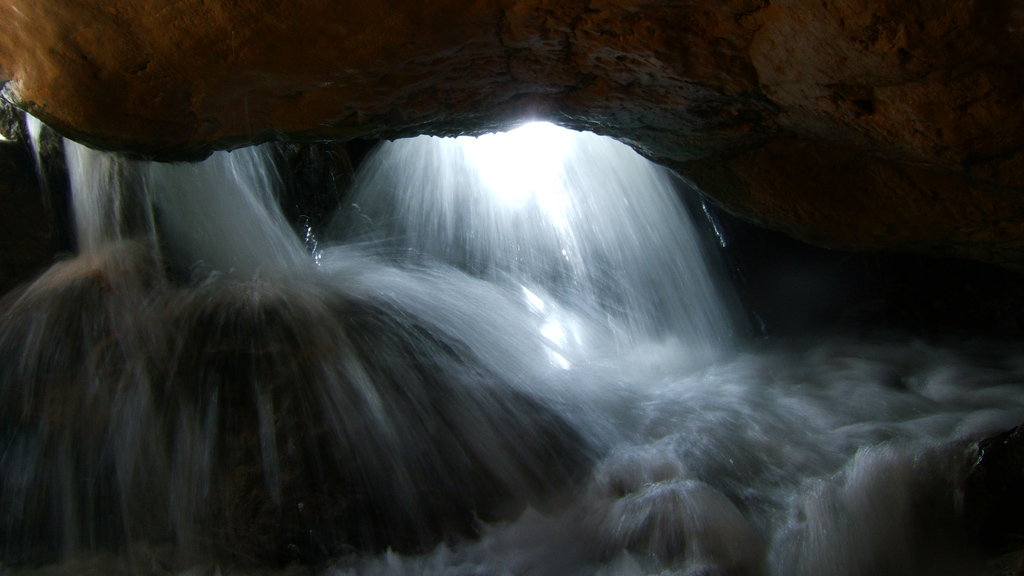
80 462
276 419
322 424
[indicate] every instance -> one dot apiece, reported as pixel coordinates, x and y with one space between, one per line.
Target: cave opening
542 356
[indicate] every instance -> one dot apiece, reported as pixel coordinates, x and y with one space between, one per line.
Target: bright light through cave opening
581 222
523 164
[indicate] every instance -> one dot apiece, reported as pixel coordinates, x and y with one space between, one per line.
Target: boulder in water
273 418
79 460
305 424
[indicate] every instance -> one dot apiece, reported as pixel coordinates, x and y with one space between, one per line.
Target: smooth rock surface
889 124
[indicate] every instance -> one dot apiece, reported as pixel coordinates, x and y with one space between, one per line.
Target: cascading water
512 363
265 407
572 218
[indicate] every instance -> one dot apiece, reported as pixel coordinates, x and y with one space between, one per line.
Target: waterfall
220 215
576 220
510 356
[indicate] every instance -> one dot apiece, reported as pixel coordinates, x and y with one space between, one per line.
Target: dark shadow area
27 236
790 288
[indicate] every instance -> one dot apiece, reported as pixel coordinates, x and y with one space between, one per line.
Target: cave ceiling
864 124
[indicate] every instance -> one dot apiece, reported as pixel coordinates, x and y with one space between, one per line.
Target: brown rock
180 78
836 196
923 82
901 116
170 76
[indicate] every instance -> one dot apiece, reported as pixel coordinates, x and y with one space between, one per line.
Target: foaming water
840 458
447 393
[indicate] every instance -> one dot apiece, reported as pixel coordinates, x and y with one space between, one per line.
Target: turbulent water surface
513 358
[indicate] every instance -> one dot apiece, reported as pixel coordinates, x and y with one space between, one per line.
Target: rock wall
26 242
850 123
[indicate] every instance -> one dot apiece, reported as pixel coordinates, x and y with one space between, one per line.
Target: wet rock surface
313 458
74 397
859 124
252 421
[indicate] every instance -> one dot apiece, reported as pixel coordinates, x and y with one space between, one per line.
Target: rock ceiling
894 124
